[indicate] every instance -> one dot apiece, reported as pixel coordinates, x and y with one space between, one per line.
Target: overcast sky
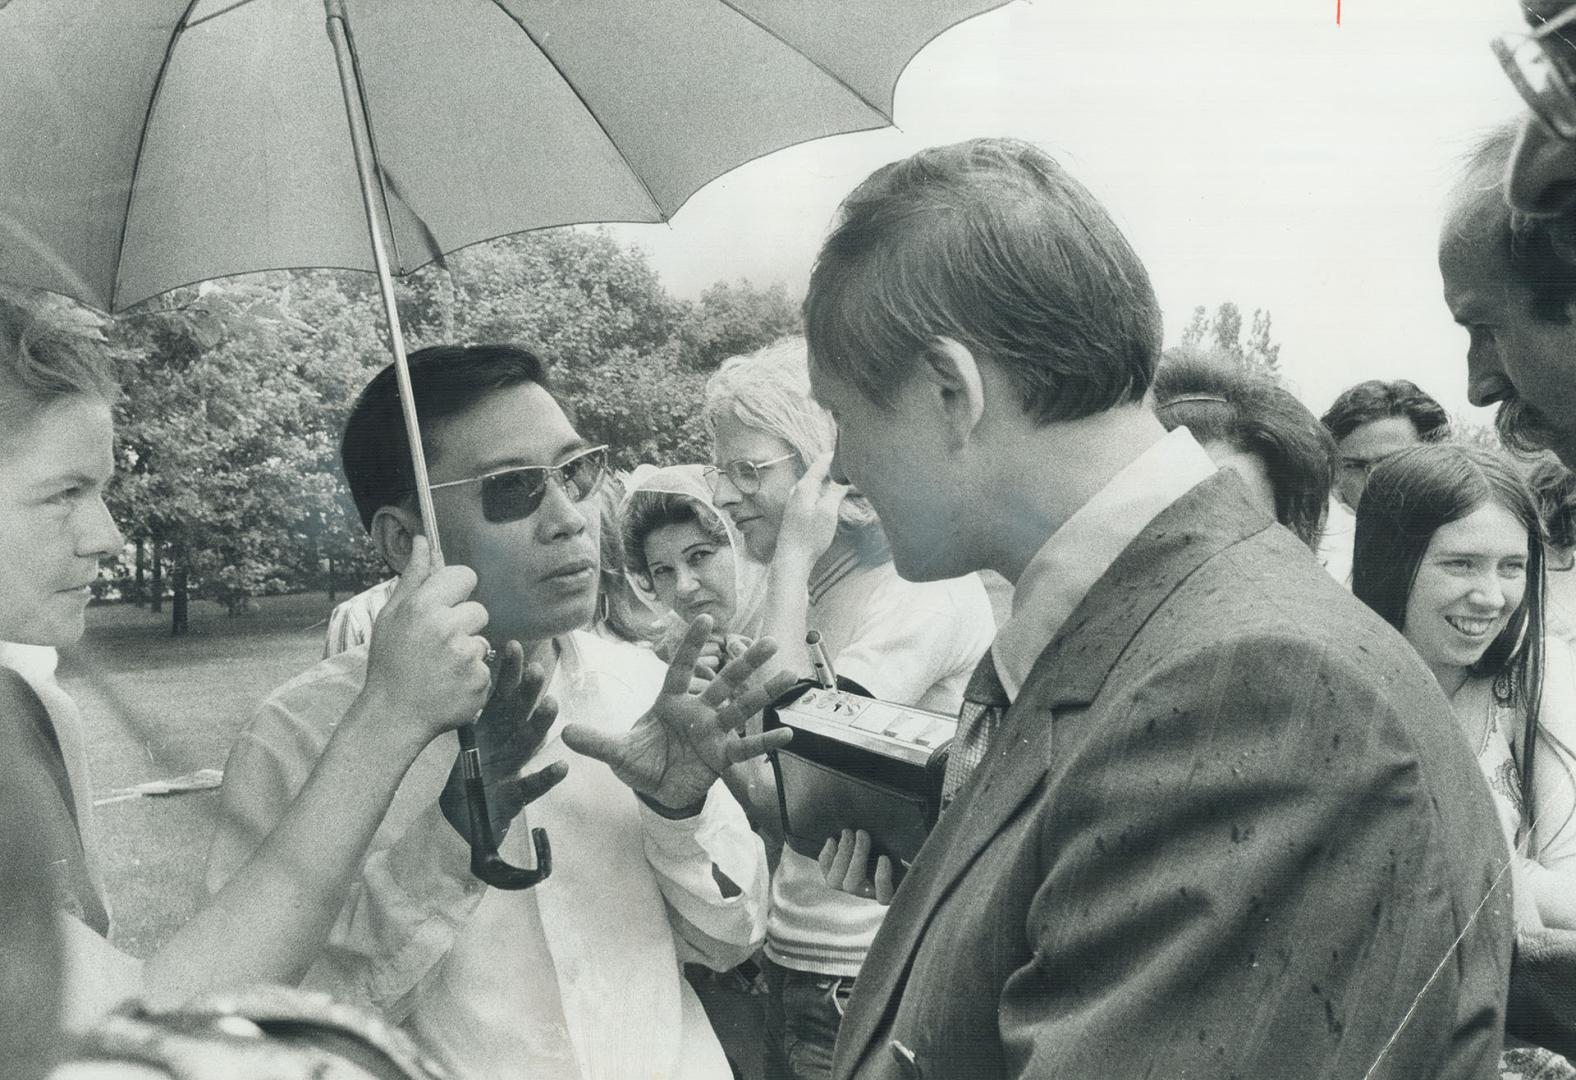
1252 150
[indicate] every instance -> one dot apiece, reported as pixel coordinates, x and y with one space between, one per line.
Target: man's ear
393 529
953 377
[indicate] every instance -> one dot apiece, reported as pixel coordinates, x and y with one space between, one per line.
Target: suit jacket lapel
1069 673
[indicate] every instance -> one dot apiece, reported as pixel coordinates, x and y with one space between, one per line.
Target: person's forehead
1490 529
70 436
1379 435
737 440
1474 271
517 425
678 536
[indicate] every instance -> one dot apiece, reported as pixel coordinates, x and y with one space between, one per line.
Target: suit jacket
1228 828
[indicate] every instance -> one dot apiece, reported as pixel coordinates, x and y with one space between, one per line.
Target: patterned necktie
985 701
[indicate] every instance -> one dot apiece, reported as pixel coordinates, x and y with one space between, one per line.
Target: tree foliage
234 392
733 319
1222 334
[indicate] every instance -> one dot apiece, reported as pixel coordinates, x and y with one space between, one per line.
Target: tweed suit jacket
1228 828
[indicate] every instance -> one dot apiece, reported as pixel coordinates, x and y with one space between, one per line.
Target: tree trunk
140 585
446 301
331 579
156 585
178 606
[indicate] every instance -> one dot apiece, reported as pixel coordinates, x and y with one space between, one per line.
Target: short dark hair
1410 496
45 355
445 380
648 511
991 243
1221 401
1377 399
1554 490
1539 252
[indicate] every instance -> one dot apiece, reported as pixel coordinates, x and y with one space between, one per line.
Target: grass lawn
156 707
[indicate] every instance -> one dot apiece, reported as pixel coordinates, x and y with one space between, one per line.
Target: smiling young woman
1449 551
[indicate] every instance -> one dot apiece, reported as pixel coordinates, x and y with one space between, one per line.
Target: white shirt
1079 553
1335 542
350 623
97 976
578 977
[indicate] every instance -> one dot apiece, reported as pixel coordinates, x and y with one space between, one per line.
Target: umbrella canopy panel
164 142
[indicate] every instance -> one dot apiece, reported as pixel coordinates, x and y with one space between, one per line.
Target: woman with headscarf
684 558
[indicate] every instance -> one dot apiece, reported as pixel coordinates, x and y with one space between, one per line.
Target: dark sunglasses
512 494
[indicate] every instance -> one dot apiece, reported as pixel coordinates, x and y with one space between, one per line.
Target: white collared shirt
578 977
1063 571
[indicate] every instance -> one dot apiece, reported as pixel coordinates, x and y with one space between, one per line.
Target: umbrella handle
487 865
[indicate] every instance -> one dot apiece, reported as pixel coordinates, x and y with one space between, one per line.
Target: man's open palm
691 733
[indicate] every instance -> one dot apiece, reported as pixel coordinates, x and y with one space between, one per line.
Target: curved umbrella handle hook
487 865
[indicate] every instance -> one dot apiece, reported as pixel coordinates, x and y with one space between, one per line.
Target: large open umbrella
148 144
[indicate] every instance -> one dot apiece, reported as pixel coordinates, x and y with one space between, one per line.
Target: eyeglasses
744 475
512 494
1541 77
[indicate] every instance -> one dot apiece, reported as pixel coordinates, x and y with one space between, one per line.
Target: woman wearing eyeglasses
829 570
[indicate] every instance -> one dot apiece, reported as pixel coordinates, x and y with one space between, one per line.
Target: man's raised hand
692 732
509 732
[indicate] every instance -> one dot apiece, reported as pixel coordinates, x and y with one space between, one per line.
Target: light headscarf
689 481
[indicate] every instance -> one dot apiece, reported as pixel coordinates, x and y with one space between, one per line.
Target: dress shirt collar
1061 574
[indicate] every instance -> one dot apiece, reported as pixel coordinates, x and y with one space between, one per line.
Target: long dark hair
1409 497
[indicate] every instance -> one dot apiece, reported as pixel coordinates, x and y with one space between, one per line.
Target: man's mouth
1523 427
577 571
1472 627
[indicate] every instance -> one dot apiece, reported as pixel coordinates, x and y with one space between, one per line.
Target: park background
1282 175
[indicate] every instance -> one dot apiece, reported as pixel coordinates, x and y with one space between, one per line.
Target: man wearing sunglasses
654 863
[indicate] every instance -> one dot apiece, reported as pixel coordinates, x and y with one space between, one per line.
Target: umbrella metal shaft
484 849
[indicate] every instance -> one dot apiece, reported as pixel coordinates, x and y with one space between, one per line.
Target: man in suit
1210 816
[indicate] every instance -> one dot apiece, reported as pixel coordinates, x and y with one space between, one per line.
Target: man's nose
1486 379
558 516
100 536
